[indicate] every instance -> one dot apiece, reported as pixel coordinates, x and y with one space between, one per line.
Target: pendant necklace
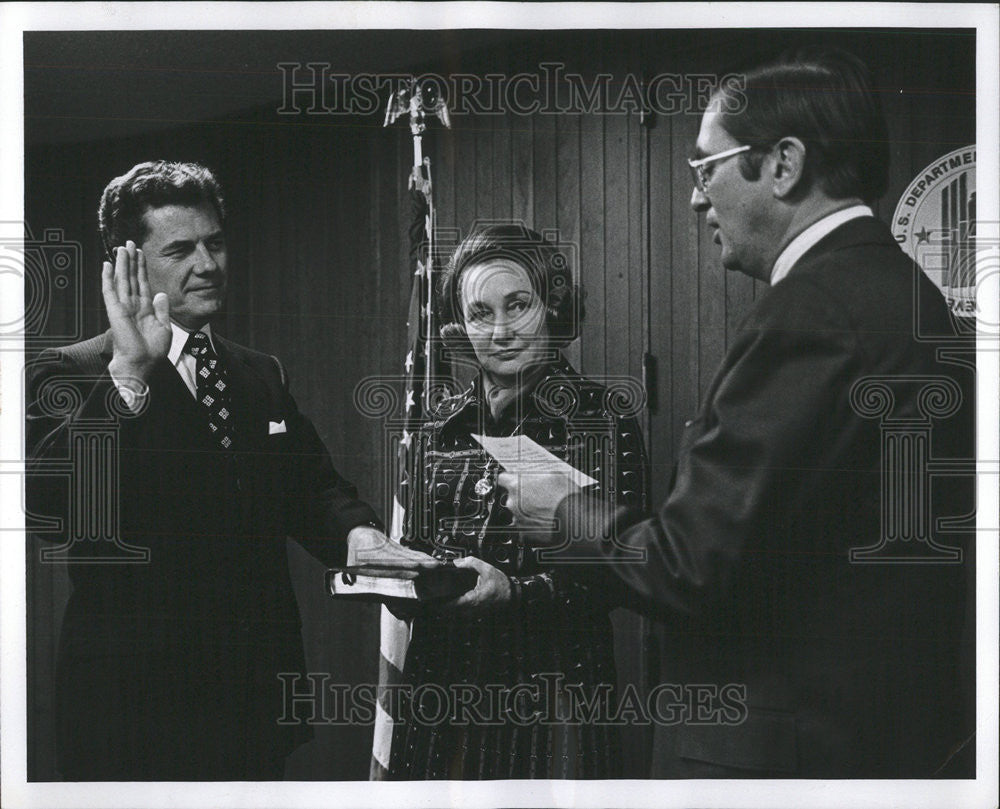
487 483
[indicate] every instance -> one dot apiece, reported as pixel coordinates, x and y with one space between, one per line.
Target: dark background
319 271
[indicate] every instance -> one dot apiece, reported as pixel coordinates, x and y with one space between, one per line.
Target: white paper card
519 454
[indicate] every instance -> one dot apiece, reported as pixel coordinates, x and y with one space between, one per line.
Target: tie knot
198 344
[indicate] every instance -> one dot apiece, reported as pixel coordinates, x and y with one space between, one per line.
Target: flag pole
416 102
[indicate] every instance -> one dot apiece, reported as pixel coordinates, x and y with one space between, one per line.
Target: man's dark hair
152 185
826 98
547 267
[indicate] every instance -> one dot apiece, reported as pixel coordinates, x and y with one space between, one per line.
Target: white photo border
16 18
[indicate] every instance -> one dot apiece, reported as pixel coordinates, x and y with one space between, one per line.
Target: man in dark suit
764 564
180 622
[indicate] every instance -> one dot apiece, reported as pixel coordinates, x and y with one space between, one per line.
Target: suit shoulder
879 287
805 299
85 355
882 263
251 356
86 351
243 352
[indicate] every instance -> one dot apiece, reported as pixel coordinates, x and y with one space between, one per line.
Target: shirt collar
179 338
801 244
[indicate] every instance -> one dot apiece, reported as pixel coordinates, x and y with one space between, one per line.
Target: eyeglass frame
697 166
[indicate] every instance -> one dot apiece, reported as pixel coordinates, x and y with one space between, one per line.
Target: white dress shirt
185 364
802 243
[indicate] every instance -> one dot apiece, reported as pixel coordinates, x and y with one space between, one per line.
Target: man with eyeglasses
805 644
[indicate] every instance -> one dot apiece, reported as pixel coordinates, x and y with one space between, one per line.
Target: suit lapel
171 402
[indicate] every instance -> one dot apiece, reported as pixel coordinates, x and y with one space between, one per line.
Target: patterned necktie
213 387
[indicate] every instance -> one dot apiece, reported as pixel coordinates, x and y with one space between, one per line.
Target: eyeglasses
701 174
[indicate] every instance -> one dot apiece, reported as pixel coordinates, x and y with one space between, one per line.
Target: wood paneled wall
320 275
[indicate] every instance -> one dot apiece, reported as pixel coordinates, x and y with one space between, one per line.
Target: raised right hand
140 321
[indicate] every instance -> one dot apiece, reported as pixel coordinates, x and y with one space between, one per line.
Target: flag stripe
383 742
395 637
421 367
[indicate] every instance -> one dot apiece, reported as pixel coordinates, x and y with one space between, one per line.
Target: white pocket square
274 427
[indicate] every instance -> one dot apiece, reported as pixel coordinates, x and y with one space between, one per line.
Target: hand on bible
367 546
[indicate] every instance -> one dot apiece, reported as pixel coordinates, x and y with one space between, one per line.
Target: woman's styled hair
548 268
825 97
152 185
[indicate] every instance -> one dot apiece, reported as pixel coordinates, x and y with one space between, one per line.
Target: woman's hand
492 589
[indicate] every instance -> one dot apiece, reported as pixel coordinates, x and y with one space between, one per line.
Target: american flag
421 366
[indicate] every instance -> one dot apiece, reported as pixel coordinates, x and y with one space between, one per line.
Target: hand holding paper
532 497
535 479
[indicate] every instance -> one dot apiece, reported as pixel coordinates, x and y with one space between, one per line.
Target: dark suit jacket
168 669
846 669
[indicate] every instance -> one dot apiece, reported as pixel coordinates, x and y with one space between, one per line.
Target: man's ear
789 167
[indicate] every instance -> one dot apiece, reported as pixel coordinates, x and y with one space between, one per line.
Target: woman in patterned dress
512 679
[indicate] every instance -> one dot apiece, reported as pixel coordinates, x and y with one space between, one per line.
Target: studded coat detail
498 695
